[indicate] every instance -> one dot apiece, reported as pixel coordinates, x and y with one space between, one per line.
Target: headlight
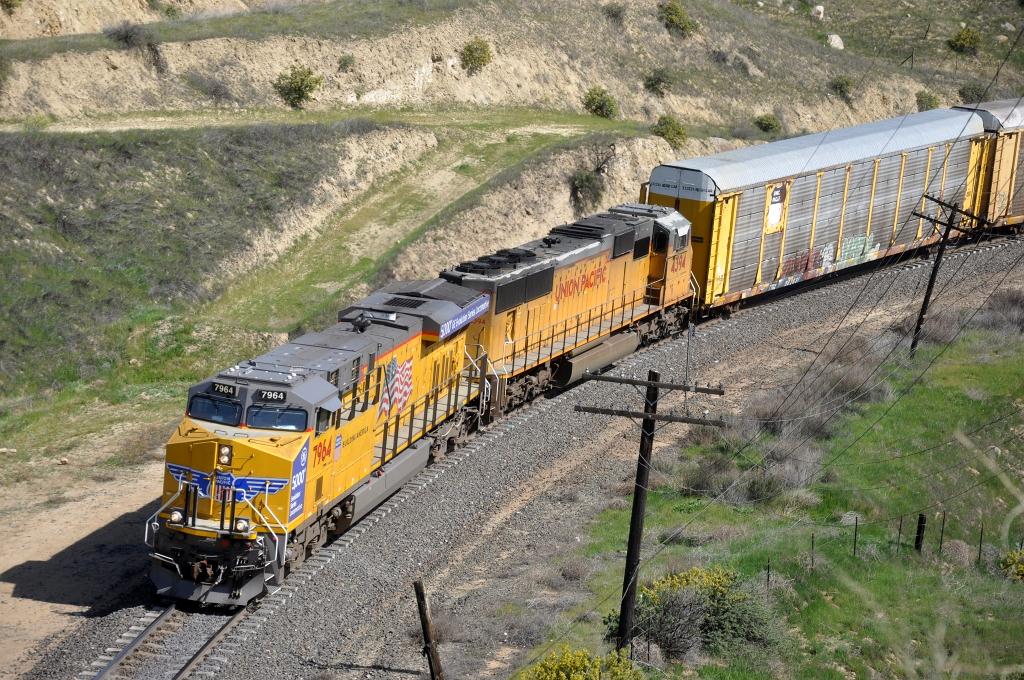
241 525
224 454
176 517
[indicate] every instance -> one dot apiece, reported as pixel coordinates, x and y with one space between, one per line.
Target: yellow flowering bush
1013 565
579 664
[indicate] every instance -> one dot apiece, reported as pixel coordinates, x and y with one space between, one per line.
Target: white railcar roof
1006 114
755 165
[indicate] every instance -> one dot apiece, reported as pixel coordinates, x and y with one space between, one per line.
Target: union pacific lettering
573 283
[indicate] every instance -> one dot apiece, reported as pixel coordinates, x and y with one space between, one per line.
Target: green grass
888 609
347 19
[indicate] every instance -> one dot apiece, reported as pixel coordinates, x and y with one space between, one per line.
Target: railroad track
152 648
145 640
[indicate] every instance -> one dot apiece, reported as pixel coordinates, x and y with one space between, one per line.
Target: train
277 454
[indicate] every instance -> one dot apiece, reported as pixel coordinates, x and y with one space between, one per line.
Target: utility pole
650 416
429 646
948 225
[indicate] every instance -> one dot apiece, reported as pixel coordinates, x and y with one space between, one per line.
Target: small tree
599 102
475 55
926 101
1012 563
972 93
965 41
768 123
658 82
297 85
346 63
671 130
675 19
843 87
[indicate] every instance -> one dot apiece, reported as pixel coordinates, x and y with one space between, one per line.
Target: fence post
942 531
812 551
429 645
856 527
981 539
919 537
767 578
899 534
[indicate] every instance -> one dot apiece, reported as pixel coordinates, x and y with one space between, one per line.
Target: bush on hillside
579 664
346 63
671 129
5 71
296 85
769 123
972 93
1004 312
169 11
658 82
1013 565
842 86
210 86
10 5
965 41
616 11
926 101
675 19
474 55
702 605
599 102
137 37
586 188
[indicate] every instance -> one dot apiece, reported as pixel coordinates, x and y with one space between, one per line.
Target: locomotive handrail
265 523
270 511
145 535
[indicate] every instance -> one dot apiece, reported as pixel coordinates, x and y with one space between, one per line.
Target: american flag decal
397 387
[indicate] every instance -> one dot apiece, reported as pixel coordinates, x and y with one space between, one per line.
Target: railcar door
657 266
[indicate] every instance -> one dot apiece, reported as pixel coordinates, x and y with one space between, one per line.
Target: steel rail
136 643
208 646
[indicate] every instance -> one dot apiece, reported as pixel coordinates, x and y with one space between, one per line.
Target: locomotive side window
682 241
269 418
660 240
214 410
642 247
323 421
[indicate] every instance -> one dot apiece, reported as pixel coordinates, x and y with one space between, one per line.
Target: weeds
768 123
346 63
213 88
926 101
658 82
614 12
671 130
599 102
475 55
676 20
566 663
586 188
296 86
965 41
131 36
842 87
9 6
5 71
972 93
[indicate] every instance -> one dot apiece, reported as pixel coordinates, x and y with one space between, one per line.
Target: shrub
768 123
5 71
1013 565
169 11
842 86
346 63
579 664
297 85
10 5
926 101
599 102
713 474
1004 312
658 82
671 130
137 37
586 188
614 11
675 19
474 55
972 93
764 487
965 41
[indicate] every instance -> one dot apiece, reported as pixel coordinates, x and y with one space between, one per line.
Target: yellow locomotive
277 453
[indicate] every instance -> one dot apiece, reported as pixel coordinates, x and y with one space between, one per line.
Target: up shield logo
296 501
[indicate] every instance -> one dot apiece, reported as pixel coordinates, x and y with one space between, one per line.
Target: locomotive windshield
268 418
203 407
